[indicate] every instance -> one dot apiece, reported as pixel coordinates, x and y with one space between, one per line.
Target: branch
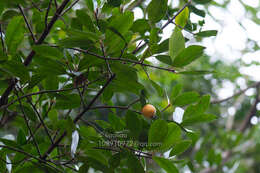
4 98
242 129
236 94
123 60
27 124
27 24
47 14
78 117
29 155
44 92
164 26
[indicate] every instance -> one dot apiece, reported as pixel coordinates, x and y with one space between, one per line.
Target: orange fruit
148 110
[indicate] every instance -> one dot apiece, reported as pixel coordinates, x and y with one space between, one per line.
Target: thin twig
236 94
27 24
123 60
29 155
78 117
47 14
45 92
164 26
71 6
28 126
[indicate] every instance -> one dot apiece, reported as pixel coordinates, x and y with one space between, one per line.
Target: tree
75 76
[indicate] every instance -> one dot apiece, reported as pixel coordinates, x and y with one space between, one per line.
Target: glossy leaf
166 164
156 10
176 43
187 55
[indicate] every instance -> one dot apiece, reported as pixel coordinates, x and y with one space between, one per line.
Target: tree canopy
75 76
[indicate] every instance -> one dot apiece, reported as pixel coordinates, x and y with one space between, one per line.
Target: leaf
156 10
134 164
47 51
17 69
208 33
173 136
176 90
97 155
114 160
176 43
157 132
141 26
163 46
116 122
182 18
14 34
197 11
165 59
67 101
187 55
122 23
180 147
158 88
166 164
200 118
186 98
202 1
21 138
133 123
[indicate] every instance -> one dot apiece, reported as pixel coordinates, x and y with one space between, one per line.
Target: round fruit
148 111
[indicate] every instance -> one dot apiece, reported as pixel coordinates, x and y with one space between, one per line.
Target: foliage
74 76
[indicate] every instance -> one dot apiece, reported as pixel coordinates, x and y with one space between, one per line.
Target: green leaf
79 38
141 26
176 90
156 10
182 18
180 147
133 123
186 98
165 59
114 160
187 55
47 51
204 103
17 69
157 132
49 66
202 1
173 136
163 46
116 122
208 33
200 118
134 164
122 23
14 34
176 43
166 164
197 11
97 155
21 138
67 101
158 88
90 4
